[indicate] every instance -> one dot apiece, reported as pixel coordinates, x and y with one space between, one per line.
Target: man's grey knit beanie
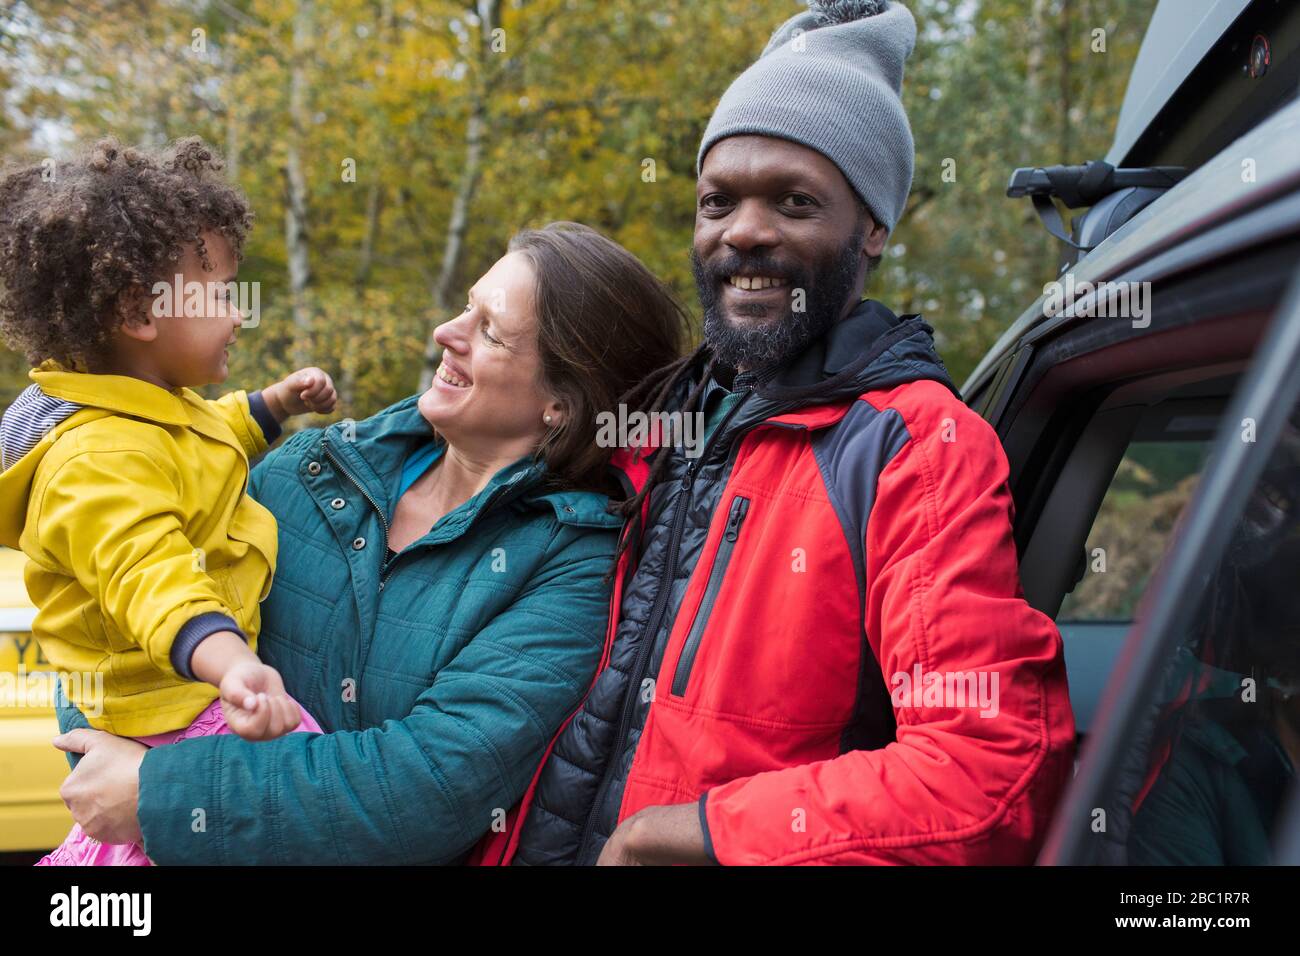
830 78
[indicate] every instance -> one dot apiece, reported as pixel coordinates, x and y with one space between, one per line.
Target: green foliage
580 95
992 86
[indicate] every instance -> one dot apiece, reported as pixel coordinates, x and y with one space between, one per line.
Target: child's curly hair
105 224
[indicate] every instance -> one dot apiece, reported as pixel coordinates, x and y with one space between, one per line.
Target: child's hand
255 704
306 390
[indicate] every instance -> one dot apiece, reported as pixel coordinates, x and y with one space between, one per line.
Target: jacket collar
124 395
375 449
120 394
101 396
870 348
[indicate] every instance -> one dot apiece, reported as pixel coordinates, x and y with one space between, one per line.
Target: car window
1204 778
1129 536
1151 487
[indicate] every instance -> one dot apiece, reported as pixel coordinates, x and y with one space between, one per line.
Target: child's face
196 322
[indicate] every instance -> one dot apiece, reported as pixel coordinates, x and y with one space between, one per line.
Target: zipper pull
690 474
737 516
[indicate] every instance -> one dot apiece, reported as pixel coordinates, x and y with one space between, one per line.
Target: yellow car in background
32 816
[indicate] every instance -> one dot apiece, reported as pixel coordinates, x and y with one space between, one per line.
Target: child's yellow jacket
134 518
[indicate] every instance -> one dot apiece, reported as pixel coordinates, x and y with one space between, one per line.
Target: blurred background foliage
467 121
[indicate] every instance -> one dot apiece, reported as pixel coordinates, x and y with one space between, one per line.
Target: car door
1191 757
1107 428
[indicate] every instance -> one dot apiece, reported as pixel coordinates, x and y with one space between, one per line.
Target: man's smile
756 283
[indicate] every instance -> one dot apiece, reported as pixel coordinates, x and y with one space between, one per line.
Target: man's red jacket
821 638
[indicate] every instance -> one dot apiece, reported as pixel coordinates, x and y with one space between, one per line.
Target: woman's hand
254 701
103 789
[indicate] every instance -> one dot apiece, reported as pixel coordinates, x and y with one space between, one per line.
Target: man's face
781 248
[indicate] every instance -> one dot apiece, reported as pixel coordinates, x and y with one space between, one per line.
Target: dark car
1147 403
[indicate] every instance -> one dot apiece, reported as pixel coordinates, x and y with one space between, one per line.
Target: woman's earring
547 419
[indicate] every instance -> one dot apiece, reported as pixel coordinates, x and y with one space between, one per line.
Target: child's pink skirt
78 849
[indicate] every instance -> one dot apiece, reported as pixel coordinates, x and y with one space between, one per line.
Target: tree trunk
458 222
1033 102
232 123
375 194
1066 40
295 211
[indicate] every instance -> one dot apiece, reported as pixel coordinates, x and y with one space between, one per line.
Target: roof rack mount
1085 185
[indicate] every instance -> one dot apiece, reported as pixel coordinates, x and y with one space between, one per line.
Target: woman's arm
422 789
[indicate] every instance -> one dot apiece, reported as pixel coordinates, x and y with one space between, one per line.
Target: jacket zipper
652 626
682 674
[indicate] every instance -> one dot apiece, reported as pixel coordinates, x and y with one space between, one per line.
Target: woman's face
487 399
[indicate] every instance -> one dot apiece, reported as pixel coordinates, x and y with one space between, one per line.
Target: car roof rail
1088 185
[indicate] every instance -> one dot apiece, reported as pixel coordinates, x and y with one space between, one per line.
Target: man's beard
779 339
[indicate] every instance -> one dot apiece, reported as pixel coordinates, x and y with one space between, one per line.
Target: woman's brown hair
604 322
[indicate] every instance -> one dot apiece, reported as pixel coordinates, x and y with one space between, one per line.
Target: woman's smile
452 376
